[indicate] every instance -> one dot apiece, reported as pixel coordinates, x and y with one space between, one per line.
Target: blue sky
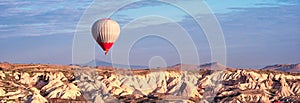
256 32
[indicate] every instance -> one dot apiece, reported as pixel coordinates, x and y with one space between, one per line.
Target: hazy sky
257 32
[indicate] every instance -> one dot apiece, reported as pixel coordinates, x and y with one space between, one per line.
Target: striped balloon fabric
106 32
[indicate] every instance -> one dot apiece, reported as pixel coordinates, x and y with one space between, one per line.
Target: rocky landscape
39 83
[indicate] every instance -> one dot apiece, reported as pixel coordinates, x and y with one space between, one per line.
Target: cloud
32 8
62 16
39 18
12 2
156 8
37 29
141 4
47 18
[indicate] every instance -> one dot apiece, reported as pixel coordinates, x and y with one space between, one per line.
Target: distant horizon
156 67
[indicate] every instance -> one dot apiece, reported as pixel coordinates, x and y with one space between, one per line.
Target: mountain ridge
103 63
284 67
213 65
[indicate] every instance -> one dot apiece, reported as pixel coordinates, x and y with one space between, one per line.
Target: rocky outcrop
35 84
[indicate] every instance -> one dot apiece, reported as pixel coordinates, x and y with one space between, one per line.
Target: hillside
103 63
40 83
206 66
284 67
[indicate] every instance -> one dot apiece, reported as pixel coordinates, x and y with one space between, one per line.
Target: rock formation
53 83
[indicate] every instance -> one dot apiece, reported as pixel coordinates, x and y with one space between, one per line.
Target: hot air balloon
106 32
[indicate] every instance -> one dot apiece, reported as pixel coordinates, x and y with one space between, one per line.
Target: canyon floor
40 83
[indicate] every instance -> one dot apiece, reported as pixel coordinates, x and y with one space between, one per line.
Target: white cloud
13 2
32 8
38 29
39 18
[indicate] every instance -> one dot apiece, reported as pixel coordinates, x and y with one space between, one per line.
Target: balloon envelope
106 32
